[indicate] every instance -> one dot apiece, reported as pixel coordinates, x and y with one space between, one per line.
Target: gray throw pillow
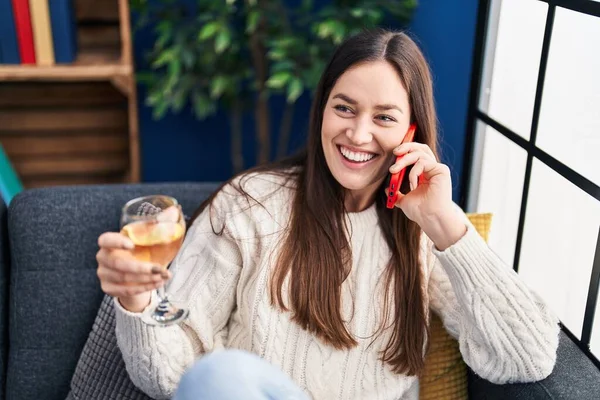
100 371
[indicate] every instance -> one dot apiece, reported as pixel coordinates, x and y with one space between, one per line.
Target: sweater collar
364 218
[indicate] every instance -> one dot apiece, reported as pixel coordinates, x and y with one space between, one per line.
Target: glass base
165 314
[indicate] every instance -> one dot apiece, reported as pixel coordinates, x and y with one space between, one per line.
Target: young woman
315 287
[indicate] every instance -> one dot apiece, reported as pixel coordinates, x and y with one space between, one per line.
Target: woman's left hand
429 203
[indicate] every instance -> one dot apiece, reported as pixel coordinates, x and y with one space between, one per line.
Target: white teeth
354 156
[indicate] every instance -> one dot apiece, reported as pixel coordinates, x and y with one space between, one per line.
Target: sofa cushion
54 291
575 377
101 372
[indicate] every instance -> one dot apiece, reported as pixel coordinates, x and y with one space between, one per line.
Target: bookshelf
76 123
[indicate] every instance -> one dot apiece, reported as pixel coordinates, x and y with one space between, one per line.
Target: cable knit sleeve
205 275
506 333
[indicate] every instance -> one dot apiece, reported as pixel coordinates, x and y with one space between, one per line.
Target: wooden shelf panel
47 121
83 144
39 182
99 36
72 165
97 10
19 95
52 140
91 64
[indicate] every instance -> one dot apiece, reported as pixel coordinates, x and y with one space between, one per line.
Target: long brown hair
315 253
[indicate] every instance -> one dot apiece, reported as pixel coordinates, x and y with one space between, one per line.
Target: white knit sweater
506 333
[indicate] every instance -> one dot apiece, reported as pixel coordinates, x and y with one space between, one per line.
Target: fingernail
157 270
129 245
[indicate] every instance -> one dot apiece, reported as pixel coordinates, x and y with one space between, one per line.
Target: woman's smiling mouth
355 157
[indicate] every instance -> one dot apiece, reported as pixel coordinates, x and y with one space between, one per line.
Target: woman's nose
359 134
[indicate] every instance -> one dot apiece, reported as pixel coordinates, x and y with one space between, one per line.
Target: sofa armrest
54 290
574 377
4 278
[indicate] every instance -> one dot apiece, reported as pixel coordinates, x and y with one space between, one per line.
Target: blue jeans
235 374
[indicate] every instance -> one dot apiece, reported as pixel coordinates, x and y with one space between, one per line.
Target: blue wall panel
178 147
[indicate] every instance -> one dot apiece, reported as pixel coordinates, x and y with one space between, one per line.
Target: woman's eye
386 118
343 109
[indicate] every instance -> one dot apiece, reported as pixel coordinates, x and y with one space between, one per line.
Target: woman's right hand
124 277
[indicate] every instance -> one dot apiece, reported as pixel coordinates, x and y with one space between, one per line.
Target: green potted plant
236 54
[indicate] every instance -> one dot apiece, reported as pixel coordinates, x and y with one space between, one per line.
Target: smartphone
395 180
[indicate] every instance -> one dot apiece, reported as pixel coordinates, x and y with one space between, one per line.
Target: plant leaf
218 86
295 89
179 99
160 110
173 74
284 65
222 41
202 105
209 30
145 78
252 21
330 27
188 57
278 80
164 57
152 98
357 12
164 31
276 54
324 30
285 42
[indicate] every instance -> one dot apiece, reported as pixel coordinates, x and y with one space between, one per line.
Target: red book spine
24 31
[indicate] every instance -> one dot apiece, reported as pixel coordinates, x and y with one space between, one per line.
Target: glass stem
162 291
162 294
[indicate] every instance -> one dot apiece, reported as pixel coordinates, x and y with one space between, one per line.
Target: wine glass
156 225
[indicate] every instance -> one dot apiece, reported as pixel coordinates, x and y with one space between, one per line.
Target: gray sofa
51 293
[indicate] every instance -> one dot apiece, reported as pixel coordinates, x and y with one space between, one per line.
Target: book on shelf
9 48
42 32
64 30
24 31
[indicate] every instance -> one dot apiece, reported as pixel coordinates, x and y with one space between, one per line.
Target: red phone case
396 179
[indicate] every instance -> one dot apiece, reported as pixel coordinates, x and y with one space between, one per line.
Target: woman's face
366 116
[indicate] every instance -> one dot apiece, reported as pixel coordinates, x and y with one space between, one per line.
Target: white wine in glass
155 224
